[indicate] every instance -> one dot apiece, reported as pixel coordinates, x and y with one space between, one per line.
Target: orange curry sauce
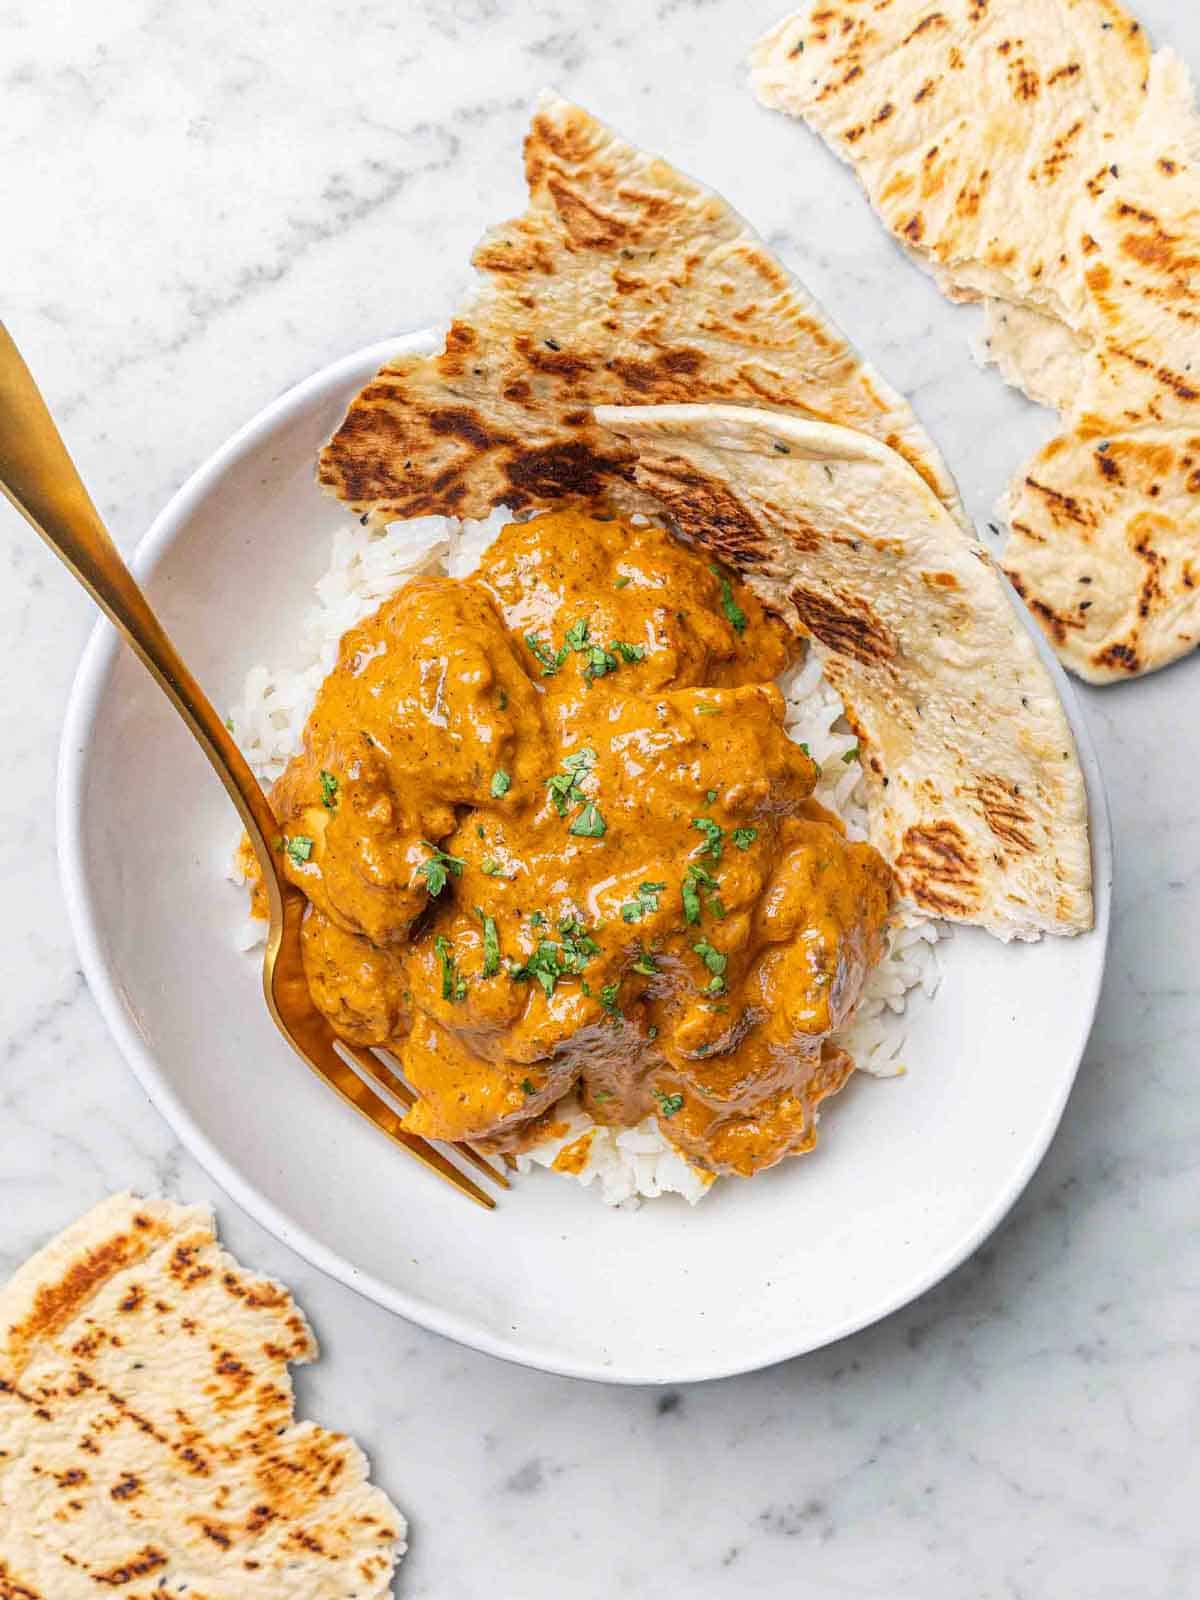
553 835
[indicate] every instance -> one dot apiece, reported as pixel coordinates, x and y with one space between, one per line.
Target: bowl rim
87 688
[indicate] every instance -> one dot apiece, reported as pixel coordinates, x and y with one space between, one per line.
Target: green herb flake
537 919
589 824
714 836
744 837
599 1096
439 866
599 662
668 1104
645 903
610 999
645 964
619 583
710 795
453 985
491 944
629 652
851 754
527 1087
501 784
705 708
576 636
299 847
502 699
329 789
491 868
550 660
564 786
652 1033
695 879
713 959
545 964
734 614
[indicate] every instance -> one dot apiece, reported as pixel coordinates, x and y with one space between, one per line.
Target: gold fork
39 477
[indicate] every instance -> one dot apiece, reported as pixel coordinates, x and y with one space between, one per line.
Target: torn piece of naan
975 793
624 282
1034 154
148 1442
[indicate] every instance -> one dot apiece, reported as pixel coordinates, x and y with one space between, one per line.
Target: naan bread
624 282
147 1439
976 797
1035 155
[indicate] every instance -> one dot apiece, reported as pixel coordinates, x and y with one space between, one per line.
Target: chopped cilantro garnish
646 901
502 699
537 919
811 757
527 1087
705 708
695 879
589 824
713 959
744 837
576 636
714 836
501 784
619 583
652 1033
668 1104
491 944
599 1096
550 660
329 789
609 999
545 964
599 662
851 754
645 964
710 795
435 870
629 652
453 986
299 847
490 867
564 786
733 612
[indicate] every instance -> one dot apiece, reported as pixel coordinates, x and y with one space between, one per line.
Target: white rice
365 568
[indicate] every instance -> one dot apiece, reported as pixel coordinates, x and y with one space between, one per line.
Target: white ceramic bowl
910 1175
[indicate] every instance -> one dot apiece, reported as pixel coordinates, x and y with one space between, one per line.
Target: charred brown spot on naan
1007 812
936 868
623 283
844 622
704 510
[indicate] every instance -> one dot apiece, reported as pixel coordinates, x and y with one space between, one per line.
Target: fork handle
39 477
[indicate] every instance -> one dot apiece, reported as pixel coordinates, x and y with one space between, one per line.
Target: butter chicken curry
554 837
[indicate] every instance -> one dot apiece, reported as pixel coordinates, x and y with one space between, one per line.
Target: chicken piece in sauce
555 836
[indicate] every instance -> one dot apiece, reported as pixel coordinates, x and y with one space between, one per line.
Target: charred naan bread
1035 155
623 283
976 797
147 1439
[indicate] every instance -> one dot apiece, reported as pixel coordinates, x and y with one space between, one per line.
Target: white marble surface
206 200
